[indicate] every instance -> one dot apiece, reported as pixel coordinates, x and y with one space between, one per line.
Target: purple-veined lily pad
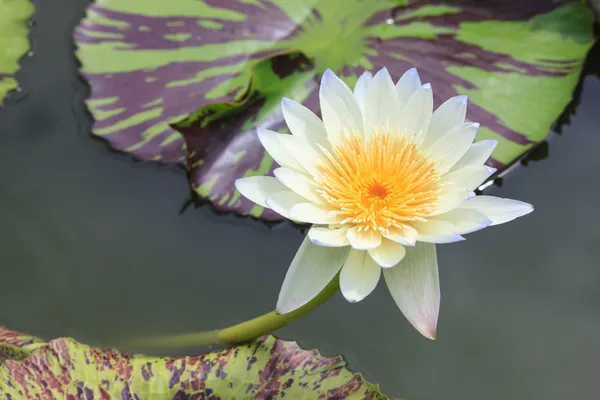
268 368
188 81
13 41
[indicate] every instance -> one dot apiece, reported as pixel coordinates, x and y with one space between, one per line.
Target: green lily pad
268 368
13 41
188 81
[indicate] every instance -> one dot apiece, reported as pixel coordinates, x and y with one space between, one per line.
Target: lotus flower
383 179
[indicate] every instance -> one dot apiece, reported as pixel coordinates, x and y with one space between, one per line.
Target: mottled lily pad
13 41
220 68
268 368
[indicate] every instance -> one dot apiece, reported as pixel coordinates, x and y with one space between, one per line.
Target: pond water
94 246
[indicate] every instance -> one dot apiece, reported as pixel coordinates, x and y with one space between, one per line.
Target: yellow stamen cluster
379 183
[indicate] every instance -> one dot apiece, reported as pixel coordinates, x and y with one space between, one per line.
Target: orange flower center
381 183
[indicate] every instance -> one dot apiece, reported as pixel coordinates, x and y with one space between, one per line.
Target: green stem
243 332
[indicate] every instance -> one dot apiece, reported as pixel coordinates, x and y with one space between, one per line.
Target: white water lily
383 178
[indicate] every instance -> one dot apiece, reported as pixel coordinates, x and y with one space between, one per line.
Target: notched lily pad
266 369
223 135
151 65
13 41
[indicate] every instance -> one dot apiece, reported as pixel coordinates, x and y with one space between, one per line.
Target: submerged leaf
13 41
152 63
266 369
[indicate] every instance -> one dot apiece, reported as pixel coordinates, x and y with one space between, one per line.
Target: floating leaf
15 346
266 369
227 63
13 41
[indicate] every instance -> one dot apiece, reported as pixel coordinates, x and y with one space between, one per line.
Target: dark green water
92 245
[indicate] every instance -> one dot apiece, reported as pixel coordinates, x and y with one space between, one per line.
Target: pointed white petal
361 90
270 141
359 276
299 183
416 115
477 154
333 123
382 107
407 85
304 154
311 213
363 239
388 253
258 188
322 236
470 177
341 114
497 209
448 149
414 285
311 270
304 123
283 202
437 231
406 236
465 220
450 114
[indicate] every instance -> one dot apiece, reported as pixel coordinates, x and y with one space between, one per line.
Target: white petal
270 141
361 88
304 154
437 231
339 108
450 114
448 149
363 239
452 198
414 285
470 177
416 115
311 270
311 213
258 188
322 236
477 154
299 183
407 85
406 236
304 123
465 220
283 202
497 209
382 107
359 276
388 253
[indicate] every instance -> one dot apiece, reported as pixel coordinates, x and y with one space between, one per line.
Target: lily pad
268 368
188 81
13 41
